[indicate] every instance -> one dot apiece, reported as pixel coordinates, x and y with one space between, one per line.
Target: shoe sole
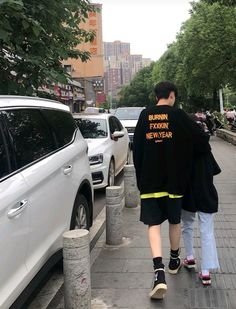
159 291
189 266
205 282
175 271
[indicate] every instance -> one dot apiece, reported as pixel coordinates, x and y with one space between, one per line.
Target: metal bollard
114 215
76 262
132 196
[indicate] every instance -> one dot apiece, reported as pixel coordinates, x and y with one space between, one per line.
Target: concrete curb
227 135
97 228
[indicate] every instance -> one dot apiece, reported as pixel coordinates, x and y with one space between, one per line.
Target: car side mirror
117 134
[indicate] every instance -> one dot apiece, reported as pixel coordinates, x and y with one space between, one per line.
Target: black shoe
174 264
159 287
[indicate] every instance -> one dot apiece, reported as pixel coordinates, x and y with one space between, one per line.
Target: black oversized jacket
201 194
165 141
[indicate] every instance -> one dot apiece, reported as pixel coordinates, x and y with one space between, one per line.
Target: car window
62 124
119 126
111 125
92 128
4 167
30 135
114 125
128 113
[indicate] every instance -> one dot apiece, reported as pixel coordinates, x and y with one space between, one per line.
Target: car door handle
17 209
67 170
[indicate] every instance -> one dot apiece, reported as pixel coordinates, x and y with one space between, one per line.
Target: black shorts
154 211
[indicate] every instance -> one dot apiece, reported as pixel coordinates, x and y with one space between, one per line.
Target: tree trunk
215 100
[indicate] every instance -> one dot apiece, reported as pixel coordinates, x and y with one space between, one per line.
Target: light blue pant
209 258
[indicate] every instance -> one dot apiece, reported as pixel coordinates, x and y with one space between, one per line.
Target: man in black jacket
165 141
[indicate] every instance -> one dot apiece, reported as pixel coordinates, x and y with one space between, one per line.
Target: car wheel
80 215
111 173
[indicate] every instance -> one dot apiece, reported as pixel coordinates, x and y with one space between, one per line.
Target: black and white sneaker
159 287
174 264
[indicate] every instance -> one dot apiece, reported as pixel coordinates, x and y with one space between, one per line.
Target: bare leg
159 287
154 233
174 234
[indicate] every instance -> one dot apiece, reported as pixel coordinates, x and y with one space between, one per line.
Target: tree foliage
203 58
208 47
222 2
35 36
140 90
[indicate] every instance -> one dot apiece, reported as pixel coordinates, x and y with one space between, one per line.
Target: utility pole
109 84
221 101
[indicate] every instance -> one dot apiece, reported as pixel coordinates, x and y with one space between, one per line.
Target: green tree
167 66
222 2
140 90
35 36
203 58
208 48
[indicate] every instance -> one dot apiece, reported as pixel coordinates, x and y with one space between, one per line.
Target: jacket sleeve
199 138
138 143
214 165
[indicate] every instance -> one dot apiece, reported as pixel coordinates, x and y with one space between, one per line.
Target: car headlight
97 159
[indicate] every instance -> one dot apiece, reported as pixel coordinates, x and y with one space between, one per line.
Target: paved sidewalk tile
122 276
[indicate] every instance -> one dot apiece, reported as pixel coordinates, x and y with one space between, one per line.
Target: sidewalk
122 276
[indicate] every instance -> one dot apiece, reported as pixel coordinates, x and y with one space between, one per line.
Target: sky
148 25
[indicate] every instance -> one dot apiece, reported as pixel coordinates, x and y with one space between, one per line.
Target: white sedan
108 146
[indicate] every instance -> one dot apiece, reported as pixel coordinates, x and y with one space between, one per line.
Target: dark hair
163 90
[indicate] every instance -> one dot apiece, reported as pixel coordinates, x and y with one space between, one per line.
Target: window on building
68 68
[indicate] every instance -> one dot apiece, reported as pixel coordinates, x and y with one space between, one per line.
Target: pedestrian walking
201 198
165 140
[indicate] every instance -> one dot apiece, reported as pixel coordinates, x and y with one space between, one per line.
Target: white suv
45 188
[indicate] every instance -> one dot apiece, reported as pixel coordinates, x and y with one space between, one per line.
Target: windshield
92 128
128 113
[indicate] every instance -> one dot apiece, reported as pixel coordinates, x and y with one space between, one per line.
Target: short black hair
163 90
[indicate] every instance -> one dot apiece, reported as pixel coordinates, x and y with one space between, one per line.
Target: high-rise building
91 73
120 66
135 62
116 49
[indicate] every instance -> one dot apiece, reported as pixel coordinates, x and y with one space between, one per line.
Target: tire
80 218
111 174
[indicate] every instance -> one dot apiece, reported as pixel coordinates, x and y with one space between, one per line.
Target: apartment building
91 73
120 66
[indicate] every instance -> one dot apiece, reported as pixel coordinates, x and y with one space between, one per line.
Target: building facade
120 67
91 73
